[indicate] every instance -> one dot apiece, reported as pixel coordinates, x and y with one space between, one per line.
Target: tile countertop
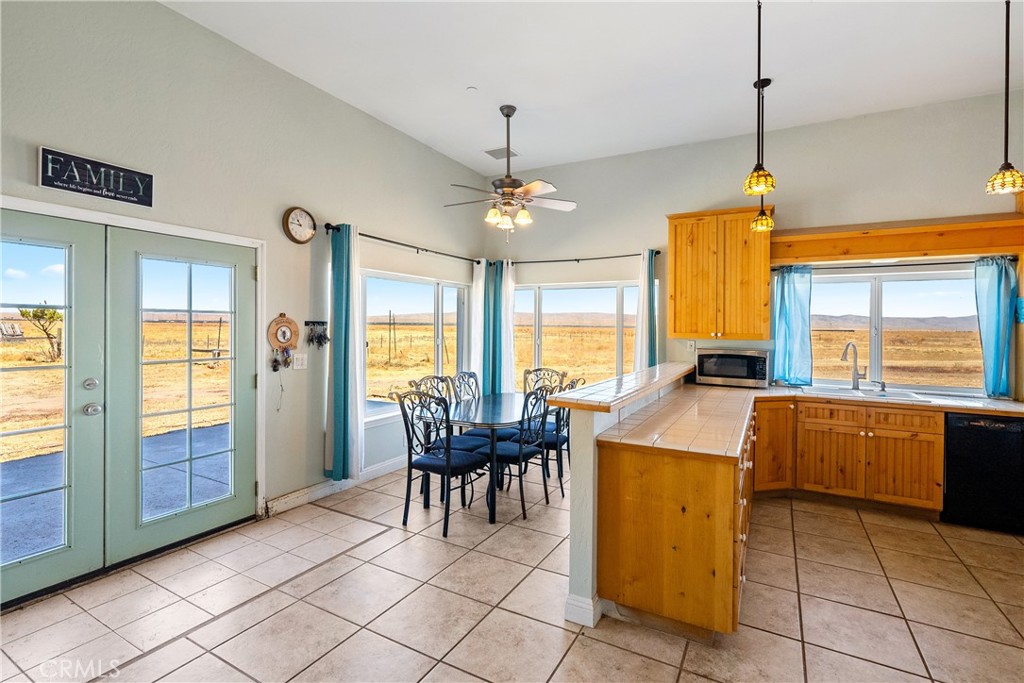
612 394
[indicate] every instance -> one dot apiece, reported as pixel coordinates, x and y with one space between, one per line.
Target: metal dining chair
542 377
425 417
466 386
556 436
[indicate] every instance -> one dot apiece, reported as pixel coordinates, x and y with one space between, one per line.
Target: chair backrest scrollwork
465 386
542 377
426 418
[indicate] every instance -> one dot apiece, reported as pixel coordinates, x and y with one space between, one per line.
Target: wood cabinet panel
693 272
830 458
745 279
775 446
931 421
905 468
829 412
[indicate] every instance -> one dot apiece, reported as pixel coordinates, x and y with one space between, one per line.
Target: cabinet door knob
862 433
743 537
792 406
753 438
743 578
871 433
743 501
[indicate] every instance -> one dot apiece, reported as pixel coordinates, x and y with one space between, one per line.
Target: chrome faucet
856 376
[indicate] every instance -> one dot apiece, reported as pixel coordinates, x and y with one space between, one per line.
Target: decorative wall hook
316 333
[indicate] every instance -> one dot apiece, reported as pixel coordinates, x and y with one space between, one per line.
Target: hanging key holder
316 333
283 335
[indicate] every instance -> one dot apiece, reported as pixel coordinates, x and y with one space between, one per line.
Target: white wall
232 141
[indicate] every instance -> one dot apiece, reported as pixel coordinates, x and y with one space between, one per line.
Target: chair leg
462 490
522 493
446 484
426 489
544 477
408 496
558 463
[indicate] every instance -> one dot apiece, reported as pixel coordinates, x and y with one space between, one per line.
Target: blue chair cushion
462 442
463 462
553 441
503 434
508 451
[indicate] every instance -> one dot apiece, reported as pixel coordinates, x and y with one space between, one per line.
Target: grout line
799 600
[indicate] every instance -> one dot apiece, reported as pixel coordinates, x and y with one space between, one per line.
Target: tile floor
338 591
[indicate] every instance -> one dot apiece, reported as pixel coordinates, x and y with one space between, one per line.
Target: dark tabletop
494 410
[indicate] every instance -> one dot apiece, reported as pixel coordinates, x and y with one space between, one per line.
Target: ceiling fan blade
537 188
475 189
475 201
556 204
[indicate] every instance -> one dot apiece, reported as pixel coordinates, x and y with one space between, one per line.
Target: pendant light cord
1006 91
508 146
760 92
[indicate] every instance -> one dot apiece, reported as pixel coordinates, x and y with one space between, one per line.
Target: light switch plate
299 361
691 346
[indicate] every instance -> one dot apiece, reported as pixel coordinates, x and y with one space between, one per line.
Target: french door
128 411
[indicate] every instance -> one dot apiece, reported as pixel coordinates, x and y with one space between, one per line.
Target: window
915 327
585 331
414 327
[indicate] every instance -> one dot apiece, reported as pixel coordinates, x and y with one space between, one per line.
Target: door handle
92 409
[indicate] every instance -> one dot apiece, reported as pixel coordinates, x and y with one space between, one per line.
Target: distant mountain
553 319
964 323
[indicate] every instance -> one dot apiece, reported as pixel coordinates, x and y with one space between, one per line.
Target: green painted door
181 397
51 371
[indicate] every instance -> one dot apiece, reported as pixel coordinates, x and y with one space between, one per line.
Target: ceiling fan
511 196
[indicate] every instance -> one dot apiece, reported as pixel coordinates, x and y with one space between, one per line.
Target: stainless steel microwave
734 367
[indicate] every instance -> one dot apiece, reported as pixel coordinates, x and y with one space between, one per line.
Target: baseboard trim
580 610
328 487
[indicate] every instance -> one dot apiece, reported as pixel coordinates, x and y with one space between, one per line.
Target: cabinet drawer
906 419
832 413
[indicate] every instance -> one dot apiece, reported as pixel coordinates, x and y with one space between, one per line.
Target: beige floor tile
929 571
747 655
363 594
557 560
30 618
163 625
444 673
957 612
378 544
292 538
221 544
383 480
195 579
520 545
51 641
771 515
770 609
481 577
420 557
229 625
419 517
464 529
690 677
305 584
221 597
833 527
771 569
914 542
368 658
771 539
955 658
869 635
301 514
279 569
135 605
161 567
837 553
591 660
159 663
848 586
541 596
108 588
322 549
286 643
545 518
257 531
339 497
369 504
86 661
8 668
774 501
206 669
879 518
833 510
532 493
328 522
988 556
1002 587
648 642
967 533
506 511
826 666
358 531
1015 615
430 620
509 647
248 556
397 489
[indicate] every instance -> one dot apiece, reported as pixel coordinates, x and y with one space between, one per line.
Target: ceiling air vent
499 153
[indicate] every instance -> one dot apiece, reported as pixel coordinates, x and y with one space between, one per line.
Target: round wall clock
299 225
283 333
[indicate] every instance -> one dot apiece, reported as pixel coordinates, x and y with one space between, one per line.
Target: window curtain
348 380
645 345
995 287
792 328
476 318
499 298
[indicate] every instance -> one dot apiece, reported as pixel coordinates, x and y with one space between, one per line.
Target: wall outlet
691 346
299 361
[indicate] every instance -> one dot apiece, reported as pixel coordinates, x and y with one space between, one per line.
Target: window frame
875 276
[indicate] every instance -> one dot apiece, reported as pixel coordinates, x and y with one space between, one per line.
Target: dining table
491 412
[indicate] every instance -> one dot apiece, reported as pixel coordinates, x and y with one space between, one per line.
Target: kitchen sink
889 394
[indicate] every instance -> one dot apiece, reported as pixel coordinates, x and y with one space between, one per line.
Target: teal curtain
792 328
342 282
995 288
651 320
491 381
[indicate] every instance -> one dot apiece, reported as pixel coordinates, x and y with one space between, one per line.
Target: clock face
299 225
284 334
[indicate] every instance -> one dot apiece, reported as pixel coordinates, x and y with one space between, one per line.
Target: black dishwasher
984 472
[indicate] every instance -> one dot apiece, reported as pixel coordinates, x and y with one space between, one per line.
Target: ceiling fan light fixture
759 182
523 217
1007 180
505 223
493 216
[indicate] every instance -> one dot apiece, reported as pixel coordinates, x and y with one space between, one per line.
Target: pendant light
1007 180
762 221
760 181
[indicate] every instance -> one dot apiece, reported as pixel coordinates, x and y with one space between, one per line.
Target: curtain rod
328 227
900 264
580 260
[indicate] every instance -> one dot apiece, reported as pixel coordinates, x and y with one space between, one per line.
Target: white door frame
145 225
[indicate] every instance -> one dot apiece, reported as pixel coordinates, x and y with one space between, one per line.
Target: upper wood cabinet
719 276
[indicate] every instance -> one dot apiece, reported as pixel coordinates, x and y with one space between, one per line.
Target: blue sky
900 298
32 274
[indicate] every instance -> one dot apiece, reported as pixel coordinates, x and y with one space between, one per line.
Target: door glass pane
211 336
164 335
930 333
399 335
840 313
211 431
164 284
629 303
164 490
211 288
32 398
523 339
31 525
24 446
578 329
164 439
211 478
451 313
211 383
164 387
